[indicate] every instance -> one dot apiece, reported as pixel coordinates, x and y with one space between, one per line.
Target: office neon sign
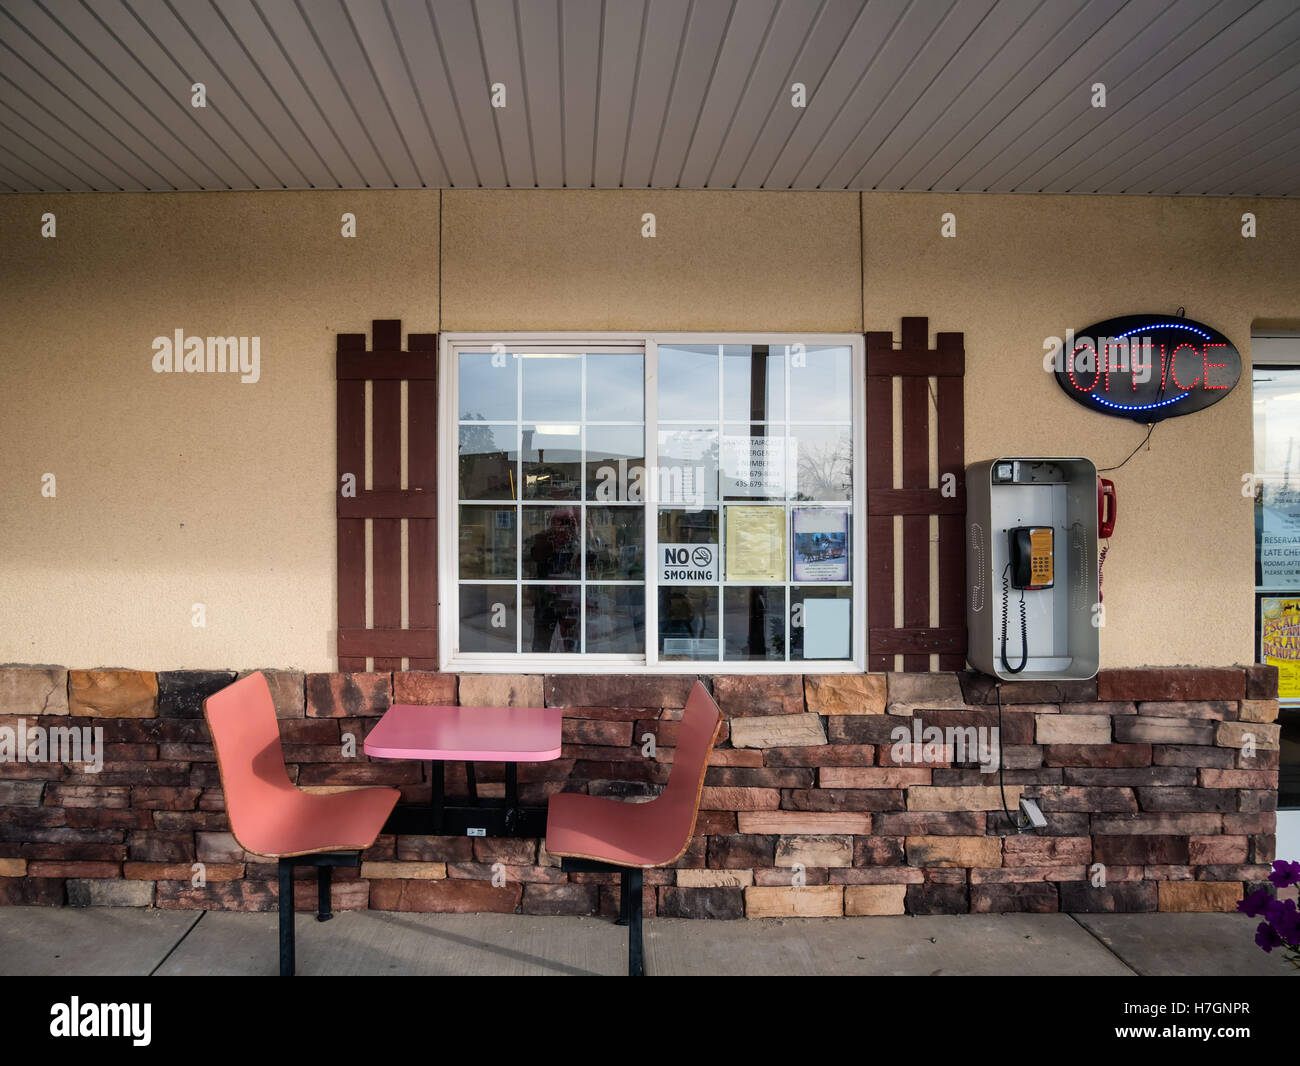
1147 367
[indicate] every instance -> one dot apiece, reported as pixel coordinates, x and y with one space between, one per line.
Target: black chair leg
630 880
635 948
287 965
323 880
622 898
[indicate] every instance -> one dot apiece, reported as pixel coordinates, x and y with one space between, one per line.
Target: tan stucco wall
532 259
176 489
183 489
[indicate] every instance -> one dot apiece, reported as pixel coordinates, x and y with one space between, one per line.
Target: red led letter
1173 367
1208 364
1105 359
1070 369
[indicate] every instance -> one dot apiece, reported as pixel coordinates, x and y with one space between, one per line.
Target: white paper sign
1279 537
754 466
826 629
693 563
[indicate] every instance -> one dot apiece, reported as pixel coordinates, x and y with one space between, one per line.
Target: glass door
1276 396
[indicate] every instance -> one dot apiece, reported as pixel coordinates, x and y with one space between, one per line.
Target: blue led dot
1141 406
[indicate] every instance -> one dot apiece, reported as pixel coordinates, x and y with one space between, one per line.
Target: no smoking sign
688 562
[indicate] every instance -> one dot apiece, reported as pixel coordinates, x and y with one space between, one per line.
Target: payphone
1032 528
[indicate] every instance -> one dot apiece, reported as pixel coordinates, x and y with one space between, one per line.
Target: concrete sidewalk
108 941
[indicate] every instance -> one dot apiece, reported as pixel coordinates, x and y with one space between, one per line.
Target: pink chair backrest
250 760
679 803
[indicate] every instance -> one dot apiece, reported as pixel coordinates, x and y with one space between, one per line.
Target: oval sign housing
1148 367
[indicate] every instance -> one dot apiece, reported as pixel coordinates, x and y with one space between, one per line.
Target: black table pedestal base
490 816
475 816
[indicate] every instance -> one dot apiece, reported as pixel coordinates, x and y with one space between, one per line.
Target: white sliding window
659 502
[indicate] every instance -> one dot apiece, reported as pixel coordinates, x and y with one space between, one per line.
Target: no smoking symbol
701 557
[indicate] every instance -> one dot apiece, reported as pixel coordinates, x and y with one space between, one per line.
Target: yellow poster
1280 643
755 543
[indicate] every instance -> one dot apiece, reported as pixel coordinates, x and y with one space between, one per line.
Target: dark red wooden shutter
386 503
915 363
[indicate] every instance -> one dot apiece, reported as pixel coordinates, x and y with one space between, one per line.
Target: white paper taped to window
826 629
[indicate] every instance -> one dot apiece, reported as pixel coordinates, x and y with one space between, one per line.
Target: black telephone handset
1030 565
1030 551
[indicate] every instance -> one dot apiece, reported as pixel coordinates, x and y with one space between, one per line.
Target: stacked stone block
1159 787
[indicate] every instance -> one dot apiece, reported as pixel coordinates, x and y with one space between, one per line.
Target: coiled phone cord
1024 625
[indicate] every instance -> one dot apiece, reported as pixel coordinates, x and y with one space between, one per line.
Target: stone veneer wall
1141 774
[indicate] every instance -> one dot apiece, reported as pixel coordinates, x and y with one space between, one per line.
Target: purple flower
1275 910
1254 904
1288 927
1285 873
1266 937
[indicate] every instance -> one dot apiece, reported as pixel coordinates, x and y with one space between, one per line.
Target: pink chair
590 833
271 816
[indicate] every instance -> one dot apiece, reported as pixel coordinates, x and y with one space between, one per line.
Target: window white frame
451 659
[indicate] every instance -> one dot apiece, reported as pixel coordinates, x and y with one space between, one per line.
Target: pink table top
467 734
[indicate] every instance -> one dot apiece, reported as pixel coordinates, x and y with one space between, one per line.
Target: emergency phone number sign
688 563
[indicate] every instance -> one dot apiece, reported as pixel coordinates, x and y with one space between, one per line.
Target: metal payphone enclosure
1063 622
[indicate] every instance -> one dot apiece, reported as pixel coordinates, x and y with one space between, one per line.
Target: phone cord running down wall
1024 625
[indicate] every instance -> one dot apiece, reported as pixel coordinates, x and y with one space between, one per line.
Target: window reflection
755 623
615 463
487 618
487 462
823 462
615 619
487 542
615 387
688 527
688 622
487 387
552 387
552 547
821 385
1277 476
550 617
616 543
688 382
753 381
552 461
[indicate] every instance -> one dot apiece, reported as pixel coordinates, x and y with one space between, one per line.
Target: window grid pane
548 596
826 479
746 607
